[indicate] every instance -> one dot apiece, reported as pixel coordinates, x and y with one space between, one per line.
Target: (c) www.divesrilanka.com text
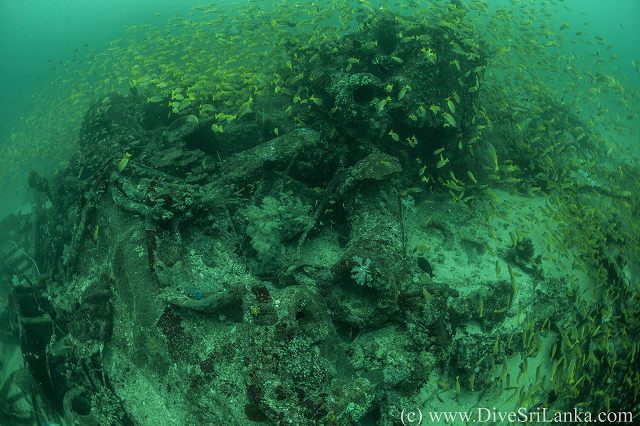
485 415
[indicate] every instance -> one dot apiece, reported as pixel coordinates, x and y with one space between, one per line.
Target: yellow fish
315 100
403 92
383 103
122 164
442 162
492 152
450 119
514 239
451 106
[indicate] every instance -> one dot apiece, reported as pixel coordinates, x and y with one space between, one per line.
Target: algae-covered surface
333 214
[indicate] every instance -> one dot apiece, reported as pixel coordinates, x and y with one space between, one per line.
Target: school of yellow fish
214 63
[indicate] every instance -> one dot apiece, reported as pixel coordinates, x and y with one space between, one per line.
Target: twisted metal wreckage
182 268
183 275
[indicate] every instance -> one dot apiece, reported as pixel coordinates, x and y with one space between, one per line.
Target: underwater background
325 212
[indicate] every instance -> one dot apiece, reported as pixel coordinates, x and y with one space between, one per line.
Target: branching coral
524 249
